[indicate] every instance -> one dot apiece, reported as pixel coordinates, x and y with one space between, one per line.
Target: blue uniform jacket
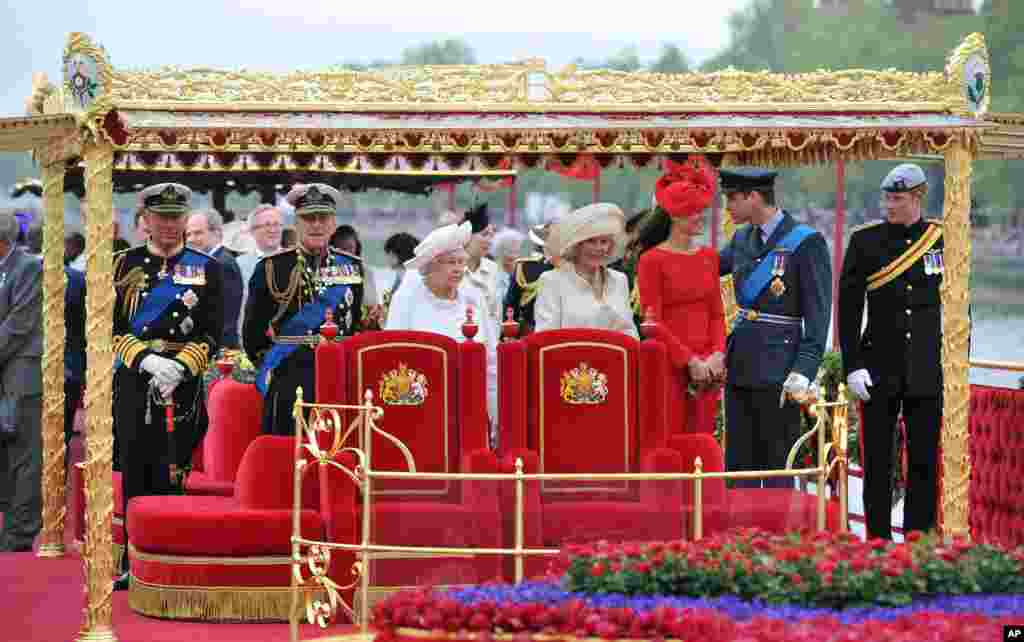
760 354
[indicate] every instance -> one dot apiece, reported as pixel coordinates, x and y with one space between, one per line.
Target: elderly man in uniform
289 296
168 321
895 364
783 279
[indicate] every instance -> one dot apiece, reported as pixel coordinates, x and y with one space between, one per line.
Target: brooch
778 288
190 299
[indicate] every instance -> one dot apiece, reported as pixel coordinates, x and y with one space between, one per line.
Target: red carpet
43 601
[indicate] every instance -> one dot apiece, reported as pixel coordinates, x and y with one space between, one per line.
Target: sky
278 35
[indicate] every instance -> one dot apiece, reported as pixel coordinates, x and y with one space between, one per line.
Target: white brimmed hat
441 241
597 219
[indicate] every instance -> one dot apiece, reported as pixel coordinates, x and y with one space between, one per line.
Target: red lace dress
683 292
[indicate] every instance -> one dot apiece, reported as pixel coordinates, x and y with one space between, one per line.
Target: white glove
166 390
167 372
796 386
859 381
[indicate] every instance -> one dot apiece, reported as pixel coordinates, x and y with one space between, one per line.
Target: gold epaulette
864 226
528 259
934 221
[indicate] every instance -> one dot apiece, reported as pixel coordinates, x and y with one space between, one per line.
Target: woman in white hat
583 292
437 302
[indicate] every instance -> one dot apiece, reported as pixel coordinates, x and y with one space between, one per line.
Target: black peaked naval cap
746 179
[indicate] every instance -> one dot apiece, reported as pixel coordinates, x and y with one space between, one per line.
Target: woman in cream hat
437 301
582 292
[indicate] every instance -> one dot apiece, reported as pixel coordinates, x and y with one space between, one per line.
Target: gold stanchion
822 477
698 499
52 536
956 232
519 520
97 554
840 435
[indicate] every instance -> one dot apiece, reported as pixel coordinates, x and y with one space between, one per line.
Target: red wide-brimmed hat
687 188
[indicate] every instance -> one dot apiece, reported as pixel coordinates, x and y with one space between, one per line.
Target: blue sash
759 279
309 317
165 293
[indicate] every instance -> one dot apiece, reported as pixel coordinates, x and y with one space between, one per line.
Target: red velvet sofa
228 558
587 401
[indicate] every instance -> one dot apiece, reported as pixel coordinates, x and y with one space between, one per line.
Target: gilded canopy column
956 230
52 536
97 554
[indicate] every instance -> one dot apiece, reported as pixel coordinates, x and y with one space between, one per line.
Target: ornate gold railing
314 556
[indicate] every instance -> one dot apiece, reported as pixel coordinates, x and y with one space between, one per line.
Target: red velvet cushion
212 575
265 476
211 526
236 411
199 483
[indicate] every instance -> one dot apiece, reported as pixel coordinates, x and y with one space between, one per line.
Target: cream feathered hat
441 241
596 219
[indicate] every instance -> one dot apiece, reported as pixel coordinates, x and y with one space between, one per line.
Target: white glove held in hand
796 385
167 372
859 381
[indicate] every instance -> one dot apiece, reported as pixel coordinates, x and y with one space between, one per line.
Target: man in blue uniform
895 364
289 295
168 321
783 279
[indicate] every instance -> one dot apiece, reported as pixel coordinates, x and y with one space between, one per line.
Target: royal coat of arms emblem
584 385
403 387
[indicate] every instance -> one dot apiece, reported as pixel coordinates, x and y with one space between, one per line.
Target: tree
440 52
672 60
626 59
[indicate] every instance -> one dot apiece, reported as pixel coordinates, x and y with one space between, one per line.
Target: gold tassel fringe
212 604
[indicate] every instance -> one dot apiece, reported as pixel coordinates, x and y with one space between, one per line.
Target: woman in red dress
679 289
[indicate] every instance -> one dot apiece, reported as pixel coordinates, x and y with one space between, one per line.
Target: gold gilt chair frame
317 424
100 124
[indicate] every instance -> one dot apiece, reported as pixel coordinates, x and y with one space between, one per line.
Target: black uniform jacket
902 342
184 294
522 291
283 283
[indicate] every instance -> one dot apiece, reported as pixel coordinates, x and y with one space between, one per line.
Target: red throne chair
211 557
587 401
433 394
777 510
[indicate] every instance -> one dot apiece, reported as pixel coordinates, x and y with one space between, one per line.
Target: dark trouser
759 434
145 450
72 397
297 370
23 517
921 416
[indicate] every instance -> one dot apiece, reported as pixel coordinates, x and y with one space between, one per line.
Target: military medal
929 264
940 267
778 288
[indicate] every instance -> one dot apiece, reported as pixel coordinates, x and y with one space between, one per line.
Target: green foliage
834 570
672 60
452 51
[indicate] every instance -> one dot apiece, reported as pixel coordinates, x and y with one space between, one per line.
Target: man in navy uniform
783 279
74 351
168 321
895 363
522 290
289 296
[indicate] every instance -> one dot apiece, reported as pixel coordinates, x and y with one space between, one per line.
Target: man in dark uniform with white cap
783 278
895 363
290 294
168 321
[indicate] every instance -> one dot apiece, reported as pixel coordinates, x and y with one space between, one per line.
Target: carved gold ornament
584 385
403 386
